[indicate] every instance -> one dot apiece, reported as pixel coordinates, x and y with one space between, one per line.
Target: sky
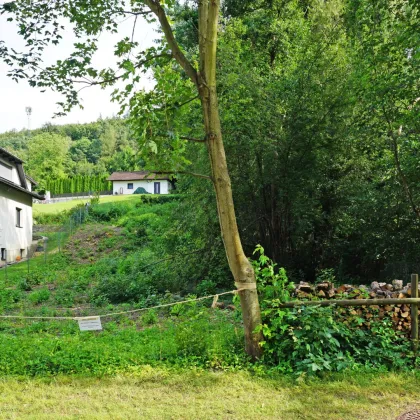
15 97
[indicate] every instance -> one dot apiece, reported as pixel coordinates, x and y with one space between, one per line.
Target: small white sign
90 323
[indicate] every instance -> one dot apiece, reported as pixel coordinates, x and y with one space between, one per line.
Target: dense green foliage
320 118
75 157
46 348
135 254
311 339
319 109
80 183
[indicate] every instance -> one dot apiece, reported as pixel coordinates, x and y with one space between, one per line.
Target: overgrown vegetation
319 115
311 339
133 254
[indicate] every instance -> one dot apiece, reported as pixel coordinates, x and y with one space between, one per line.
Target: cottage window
5 171
3 254
130 186
18 217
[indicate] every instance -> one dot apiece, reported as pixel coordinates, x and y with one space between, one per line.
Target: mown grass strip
164 394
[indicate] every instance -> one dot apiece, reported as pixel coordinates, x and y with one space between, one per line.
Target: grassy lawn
67 205
160 394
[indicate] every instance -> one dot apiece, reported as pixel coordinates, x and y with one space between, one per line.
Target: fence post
5 266
414 312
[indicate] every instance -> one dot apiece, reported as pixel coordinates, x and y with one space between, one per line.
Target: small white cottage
139 182
15 208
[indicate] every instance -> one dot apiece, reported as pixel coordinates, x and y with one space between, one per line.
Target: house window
18 217
130 186
3 254
5 171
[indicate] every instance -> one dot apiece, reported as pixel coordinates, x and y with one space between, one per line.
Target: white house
129 182
15 208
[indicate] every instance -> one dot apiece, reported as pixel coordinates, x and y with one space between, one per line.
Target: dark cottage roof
19 188
23 187
137 176
9 156
31 180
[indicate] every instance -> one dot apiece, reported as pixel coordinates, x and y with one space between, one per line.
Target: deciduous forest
319 108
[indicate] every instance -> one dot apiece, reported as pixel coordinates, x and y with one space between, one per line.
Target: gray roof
19 188
136 176
22 176
11 157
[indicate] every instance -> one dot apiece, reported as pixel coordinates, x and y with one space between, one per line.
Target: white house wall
10 175
14 238
120 187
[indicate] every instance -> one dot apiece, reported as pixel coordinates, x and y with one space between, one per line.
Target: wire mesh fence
22 260
58 198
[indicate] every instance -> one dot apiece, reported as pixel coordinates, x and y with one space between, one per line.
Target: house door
157 187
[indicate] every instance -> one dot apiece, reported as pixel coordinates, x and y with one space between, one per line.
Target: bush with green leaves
314 339
108 211
206 287
8 297
159 199
39 296
120 288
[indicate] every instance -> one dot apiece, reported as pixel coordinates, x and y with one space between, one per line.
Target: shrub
120 288
312 339
206 287
150 317
39 296
159 199
8 297
106 213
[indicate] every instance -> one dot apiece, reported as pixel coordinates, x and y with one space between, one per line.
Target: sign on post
90 323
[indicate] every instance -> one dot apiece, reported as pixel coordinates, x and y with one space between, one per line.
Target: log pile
400 314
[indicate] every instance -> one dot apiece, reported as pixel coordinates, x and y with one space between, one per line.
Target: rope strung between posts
76 318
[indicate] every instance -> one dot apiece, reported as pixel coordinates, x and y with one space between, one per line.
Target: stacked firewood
399 313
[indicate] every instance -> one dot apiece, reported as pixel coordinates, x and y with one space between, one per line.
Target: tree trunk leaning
241 268
205 81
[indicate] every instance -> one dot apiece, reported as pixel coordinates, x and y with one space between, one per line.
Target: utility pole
28 110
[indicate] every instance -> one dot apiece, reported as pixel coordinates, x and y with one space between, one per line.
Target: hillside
56 152
121 256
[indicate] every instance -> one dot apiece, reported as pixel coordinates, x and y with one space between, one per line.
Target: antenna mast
28 110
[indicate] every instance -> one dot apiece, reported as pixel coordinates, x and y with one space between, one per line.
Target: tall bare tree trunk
241 268
205 80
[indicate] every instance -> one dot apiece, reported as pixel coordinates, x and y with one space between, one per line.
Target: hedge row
78 184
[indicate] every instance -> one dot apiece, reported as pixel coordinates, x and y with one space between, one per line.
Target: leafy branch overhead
45 23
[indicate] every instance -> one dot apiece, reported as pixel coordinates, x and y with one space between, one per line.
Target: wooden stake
414 312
